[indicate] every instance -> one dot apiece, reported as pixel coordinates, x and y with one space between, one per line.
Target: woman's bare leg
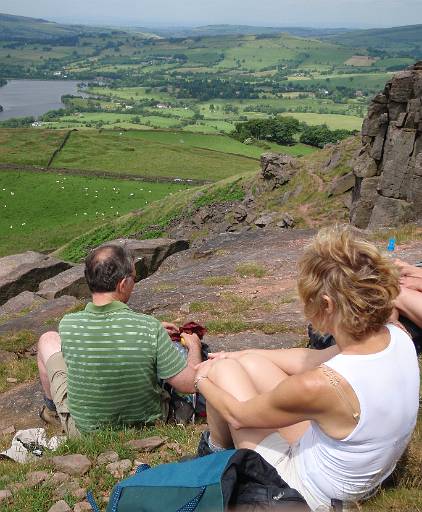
245 378
266 376
232 377
409 304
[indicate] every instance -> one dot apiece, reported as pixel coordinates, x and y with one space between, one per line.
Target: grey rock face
42 318
388 168
70 282
277 168
24 272
25 301
342 184
150 254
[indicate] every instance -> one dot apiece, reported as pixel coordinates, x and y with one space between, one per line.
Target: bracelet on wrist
197 381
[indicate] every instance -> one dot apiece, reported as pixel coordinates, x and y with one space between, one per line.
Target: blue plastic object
391 245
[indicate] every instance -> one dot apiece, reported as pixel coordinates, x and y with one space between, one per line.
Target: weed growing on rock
219 281
251 269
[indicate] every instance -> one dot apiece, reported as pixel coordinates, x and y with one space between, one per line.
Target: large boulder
42 318
388 168
277 168
342 184
24 272
22 303
149 254
70 282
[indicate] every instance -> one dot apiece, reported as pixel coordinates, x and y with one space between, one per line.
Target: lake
20 98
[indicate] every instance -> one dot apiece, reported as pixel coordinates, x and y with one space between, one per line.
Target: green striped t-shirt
114 359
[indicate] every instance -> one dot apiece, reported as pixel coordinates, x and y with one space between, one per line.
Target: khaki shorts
57 375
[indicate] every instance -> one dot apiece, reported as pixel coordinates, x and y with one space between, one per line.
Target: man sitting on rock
104 365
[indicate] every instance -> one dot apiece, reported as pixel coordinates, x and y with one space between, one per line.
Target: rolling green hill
396 39
16 28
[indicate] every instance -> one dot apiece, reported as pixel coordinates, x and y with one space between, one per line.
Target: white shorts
284 458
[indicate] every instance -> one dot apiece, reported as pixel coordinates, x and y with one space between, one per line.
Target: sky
305 13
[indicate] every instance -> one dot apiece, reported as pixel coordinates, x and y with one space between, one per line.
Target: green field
123 154
333 121
217 143
44 211
28 146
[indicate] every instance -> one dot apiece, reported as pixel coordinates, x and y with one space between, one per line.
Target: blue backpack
213 483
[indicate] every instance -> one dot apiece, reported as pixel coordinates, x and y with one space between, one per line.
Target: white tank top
387 387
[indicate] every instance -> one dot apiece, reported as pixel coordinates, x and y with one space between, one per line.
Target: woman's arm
294 400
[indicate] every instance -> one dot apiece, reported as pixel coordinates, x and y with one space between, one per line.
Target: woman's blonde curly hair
359 279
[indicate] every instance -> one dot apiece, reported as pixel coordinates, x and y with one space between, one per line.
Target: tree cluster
277 129
283 130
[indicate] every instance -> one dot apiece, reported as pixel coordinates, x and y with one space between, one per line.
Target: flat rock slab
150 254
180 279
21 405
25 301
145 445
24 272
245 340
44 318
70 282
76 465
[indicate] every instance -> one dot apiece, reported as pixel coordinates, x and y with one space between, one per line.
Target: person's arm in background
292 361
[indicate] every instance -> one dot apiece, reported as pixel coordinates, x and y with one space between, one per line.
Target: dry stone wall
388 168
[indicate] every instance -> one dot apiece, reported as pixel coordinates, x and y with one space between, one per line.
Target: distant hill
396 39
20 28
223 30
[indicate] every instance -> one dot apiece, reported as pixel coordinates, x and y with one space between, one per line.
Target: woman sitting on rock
332 422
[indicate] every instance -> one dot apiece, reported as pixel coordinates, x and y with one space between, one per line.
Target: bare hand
413 283
405 268
170 328
218 355
191 340
202 369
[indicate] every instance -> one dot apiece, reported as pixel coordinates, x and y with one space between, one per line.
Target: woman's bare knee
221 369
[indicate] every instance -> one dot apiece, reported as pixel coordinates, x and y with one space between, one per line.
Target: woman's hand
203 368
411 282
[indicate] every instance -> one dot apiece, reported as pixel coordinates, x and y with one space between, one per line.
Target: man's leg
53 376
48 345
409 304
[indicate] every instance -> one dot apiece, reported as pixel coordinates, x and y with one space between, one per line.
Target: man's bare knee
48 344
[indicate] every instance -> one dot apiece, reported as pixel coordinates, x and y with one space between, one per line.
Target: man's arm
184 380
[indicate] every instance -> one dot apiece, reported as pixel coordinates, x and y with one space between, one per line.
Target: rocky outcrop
41 318
150 254
277 168
388 168
69 282
24 272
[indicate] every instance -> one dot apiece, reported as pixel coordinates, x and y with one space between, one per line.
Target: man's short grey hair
106 266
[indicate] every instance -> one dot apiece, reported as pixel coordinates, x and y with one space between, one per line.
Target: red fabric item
189 328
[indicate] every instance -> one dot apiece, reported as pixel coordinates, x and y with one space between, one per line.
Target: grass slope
44 211
125 154
23 146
